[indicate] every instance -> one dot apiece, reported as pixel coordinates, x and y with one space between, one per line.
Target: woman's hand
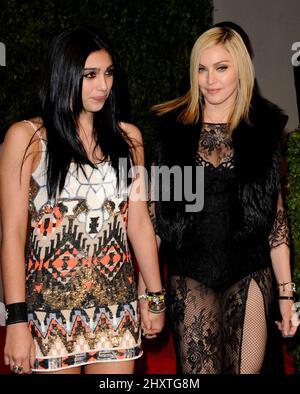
152 323
286 325
19 348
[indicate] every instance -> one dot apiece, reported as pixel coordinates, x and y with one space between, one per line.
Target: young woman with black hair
67 214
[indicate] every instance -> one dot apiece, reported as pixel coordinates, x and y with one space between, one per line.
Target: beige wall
272 25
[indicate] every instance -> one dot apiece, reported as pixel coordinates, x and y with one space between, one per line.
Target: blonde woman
221 260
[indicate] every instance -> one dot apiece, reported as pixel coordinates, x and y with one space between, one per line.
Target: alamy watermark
296 56
164 184
182 185
2 54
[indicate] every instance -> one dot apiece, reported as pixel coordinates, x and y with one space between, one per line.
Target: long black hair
61 105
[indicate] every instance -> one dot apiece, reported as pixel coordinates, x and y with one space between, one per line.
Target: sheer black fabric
210 254
215 146
280 231
220 292
220 332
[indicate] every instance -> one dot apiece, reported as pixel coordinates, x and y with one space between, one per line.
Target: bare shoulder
19 131
37 122
132 132
37 126
19 137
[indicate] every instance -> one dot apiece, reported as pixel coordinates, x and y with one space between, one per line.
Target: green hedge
293 204
152 38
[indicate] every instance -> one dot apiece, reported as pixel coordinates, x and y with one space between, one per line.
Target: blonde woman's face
217 76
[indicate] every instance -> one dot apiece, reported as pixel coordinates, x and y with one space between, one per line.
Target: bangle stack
16 313
156 300
287 286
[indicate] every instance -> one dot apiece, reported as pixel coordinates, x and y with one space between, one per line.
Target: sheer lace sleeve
280 231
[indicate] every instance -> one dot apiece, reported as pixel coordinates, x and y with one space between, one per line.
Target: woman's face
218 76
97 80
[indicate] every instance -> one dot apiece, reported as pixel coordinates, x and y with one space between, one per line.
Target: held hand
19 348
157 322
145 316
152 323
287 325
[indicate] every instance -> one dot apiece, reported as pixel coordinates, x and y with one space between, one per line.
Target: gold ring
17 369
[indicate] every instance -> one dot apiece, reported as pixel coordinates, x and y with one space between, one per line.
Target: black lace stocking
221 332
197 326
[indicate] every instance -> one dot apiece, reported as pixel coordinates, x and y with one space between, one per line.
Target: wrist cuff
16 313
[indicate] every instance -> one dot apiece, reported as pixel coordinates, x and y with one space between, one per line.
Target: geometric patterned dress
80 285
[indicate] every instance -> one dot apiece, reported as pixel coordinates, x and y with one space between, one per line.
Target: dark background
152 38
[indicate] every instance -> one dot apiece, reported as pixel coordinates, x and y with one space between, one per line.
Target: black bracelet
155 294
286 298
16 313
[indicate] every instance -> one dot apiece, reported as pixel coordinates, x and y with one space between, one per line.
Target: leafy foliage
293 203
153 40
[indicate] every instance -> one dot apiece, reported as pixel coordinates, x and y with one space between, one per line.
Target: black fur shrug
257 155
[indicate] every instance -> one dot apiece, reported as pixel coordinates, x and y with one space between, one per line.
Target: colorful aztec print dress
80 286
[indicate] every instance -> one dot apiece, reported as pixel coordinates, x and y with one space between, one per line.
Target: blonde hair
192 101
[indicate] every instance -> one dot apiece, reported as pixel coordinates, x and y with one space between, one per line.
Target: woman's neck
217 113
85 132
85 125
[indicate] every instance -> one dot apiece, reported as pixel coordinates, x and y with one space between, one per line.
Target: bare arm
151 208
14 189
141 233
140 229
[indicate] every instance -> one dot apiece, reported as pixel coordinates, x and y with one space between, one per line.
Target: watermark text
296 56
2 54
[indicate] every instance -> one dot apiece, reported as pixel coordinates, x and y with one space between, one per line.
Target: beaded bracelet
16 313
142 297
156 301
150 296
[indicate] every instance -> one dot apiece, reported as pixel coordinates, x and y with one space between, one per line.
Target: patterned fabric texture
80 285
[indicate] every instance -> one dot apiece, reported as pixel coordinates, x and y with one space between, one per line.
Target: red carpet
289 367
159 355
3 368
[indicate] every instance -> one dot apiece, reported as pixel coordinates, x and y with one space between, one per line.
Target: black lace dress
219 302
